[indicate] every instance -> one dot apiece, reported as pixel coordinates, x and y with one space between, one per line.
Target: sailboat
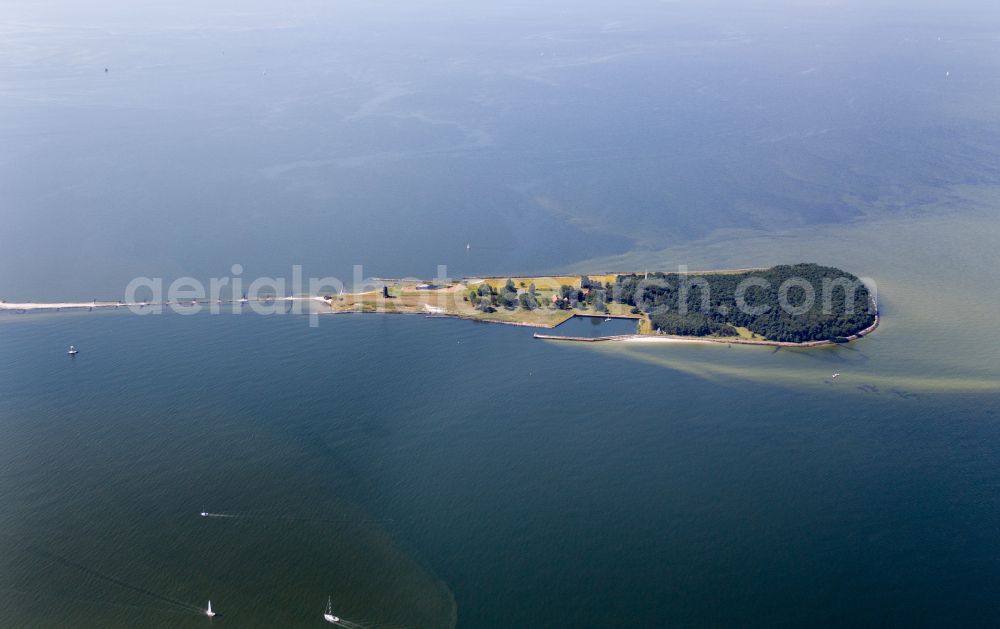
328 614
209 612
72 351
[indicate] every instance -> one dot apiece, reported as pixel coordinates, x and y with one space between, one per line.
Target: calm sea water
593 327
392 135
412 467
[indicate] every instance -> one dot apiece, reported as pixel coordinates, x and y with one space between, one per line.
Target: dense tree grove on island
790 303
484 298
487 299
507 297
568 297
690 324
529 300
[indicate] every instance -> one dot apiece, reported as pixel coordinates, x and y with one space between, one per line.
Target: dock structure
583 339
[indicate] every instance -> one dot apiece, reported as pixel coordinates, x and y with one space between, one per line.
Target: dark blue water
396 462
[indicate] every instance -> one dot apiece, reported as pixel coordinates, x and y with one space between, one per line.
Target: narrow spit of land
111 305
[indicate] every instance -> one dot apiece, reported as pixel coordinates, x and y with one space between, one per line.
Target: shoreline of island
670 338
429 314
546 302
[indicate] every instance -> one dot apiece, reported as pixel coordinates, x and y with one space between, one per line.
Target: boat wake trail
41 596
291 518
176 604
347 624
365 624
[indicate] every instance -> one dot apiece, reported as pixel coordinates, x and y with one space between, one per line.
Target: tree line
790 303
487 299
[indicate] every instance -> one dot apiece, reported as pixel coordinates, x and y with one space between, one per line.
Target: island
800 305
788 305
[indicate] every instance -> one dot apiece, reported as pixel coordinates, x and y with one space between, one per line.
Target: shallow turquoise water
394 461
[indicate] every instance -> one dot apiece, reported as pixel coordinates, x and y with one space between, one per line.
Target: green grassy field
453 300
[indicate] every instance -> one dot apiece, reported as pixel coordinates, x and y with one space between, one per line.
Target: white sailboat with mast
328 614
